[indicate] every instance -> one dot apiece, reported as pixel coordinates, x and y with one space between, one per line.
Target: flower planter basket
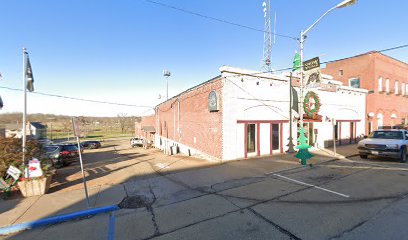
34 187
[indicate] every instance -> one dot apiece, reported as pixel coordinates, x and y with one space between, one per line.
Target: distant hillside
9 118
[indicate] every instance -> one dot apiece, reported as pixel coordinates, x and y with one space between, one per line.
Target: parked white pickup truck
136 142
387 143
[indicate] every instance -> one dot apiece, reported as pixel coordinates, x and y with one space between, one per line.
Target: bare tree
122 119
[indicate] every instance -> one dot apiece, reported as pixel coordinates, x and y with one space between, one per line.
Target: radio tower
267 48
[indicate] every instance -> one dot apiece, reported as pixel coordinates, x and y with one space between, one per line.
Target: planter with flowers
37 176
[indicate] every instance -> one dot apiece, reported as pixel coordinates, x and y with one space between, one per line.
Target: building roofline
251 73
367 53
190 89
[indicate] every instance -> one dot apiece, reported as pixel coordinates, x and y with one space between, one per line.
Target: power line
139 106
393 48
79 99
216 19
330 61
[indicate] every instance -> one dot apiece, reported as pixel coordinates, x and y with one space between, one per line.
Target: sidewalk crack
26 210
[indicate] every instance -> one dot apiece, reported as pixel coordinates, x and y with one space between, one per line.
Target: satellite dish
264 4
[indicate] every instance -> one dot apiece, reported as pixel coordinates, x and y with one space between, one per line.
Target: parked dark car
91 144
70 150
61 155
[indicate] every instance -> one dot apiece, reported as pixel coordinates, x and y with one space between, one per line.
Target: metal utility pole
24 130
302 39
167 74
267 49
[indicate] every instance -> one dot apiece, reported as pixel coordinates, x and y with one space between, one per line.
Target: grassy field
94 135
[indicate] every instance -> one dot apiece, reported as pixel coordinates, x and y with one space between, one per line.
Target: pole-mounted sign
312 72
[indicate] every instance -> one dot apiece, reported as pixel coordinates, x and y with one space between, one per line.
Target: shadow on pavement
155 196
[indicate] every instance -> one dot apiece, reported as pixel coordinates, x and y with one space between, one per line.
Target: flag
295 100
296 62
29 75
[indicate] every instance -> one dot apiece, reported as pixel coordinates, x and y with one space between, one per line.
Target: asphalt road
257 199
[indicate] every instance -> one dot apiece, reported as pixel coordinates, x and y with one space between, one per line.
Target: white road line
365 167
162 165
310 185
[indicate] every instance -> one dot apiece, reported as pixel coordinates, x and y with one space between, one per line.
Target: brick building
386 79
242 114
146 128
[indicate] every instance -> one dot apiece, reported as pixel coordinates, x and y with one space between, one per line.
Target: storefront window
275 136
251 131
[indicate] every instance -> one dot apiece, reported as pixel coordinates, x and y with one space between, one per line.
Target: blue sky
116 50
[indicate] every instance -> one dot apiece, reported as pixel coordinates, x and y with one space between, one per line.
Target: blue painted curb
56 219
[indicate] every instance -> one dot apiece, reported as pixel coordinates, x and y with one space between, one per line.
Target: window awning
149 129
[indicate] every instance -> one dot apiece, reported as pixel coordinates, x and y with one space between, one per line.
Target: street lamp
302 39
166 74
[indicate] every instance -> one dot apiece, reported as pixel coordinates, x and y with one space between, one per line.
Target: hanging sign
312 73
311 64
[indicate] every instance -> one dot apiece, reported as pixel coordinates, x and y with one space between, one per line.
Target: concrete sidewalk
113 188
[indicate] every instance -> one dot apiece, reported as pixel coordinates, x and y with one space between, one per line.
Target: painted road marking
363 167
162 165
310 185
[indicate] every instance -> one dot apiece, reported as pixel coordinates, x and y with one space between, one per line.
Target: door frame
258 135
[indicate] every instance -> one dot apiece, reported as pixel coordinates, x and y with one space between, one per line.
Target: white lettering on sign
311 64
14 172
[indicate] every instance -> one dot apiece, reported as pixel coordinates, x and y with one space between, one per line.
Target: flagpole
25 104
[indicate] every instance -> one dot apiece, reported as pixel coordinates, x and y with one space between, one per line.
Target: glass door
275 137
251 135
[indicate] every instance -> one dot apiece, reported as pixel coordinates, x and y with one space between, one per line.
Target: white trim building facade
249 116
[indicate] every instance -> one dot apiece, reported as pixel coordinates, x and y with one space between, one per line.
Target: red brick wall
369 67
146 121
138 129
195 120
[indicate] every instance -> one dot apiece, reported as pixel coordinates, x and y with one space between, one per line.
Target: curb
56 219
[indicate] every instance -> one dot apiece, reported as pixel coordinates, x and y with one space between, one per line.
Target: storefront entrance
251 139
275 137
349 135
263 137
310 133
